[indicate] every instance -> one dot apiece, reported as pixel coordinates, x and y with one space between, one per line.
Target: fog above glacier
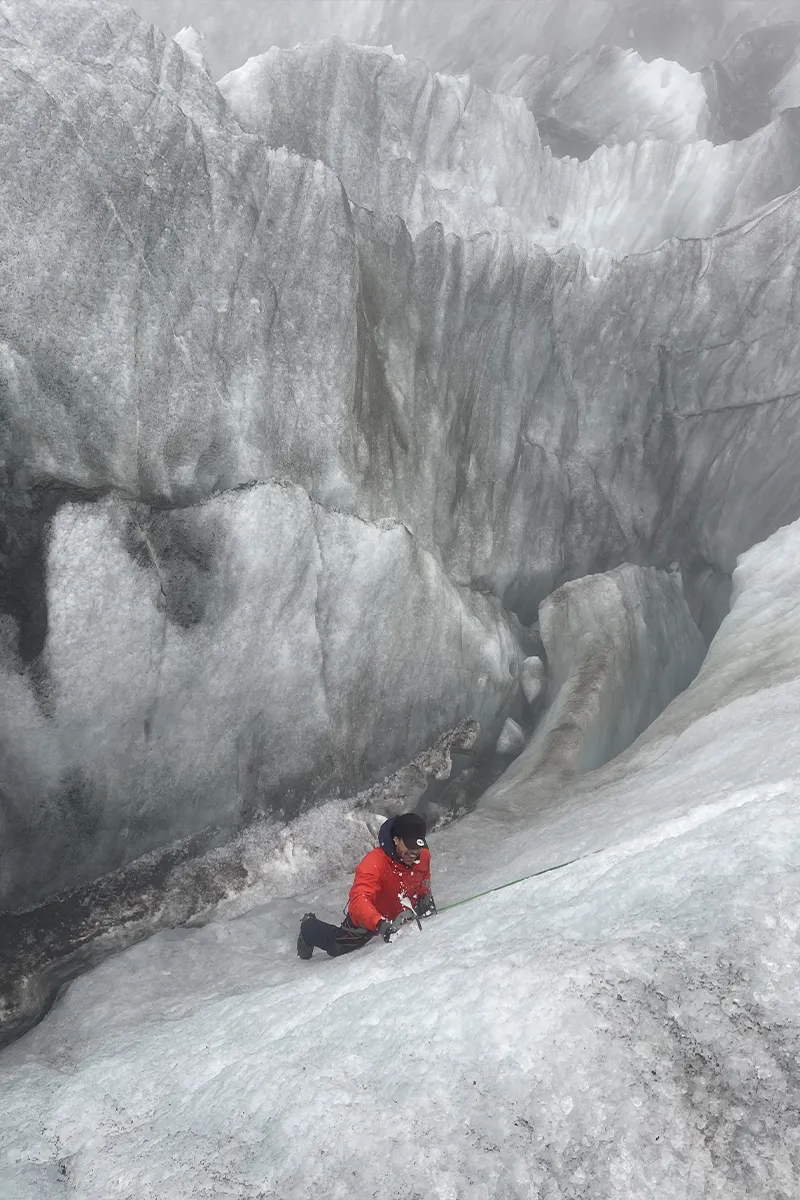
475 35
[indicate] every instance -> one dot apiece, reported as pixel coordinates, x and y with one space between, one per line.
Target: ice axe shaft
410 913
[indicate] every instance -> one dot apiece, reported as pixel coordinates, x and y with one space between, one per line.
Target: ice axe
409 913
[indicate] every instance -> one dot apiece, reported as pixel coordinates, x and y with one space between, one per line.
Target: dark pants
334 939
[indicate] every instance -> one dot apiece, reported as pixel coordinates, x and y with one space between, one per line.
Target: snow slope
624 1027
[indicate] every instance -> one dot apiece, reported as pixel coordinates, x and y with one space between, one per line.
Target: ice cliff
310 397
619 647
432 148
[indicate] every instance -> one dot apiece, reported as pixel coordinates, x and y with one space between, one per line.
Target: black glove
426 906
387 928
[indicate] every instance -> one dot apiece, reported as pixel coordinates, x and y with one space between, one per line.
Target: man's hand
387 928
426 906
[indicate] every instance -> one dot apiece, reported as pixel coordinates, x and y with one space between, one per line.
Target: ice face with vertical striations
288 467
371 426
206 663
433 148
611 95
620 647
193 44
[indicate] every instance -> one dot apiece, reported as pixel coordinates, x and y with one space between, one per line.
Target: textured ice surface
207 662
619 648
196 878
537 378
617 69
625 1028
533 677
431 147
745 86
786 93
762 624
188 314
193 43
612 95
512 738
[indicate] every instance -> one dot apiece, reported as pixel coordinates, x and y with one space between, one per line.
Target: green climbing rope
500 887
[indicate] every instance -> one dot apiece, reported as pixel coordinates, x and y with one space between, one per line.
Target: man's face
408 855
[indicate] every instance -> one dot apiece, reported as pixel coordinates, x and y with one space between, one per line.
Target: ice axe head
409 913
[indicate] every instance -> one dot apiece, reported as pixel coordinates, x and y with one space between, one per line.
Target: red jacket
380 882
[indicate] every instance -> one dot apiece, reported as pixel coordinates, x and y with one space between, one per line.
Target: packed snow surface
626 1026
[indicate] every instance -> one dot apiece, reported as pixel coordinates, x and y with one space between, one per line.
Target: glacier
619 648
446 151
624 1026
212 642
399 410
609 95
228 359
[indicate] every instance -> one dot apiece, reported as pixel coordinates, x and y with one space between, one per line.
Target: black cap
411 829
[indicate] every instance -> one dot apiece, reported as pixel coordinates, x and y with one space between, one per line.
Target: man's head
408 836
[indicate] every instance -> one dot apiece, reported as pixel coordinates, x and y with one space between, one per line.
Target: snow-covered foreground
625 1027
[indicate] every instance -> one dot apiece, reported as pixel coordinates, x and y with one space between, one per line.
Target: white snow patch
193 45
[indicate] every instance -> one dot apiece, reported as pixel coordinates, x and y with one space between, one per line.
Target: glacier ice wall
590 74
752 80
610 95
181 646
620 647
433 148
194 322
207 662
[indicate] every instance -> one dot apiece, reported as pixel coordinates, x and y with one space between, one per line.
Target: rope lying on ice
410 913
501 886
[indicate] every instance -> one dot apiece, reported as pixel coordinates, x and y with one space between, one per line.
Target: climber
397 870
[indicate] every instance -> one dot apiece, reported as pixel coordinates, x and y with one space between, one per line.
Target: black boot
333 939
303 948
